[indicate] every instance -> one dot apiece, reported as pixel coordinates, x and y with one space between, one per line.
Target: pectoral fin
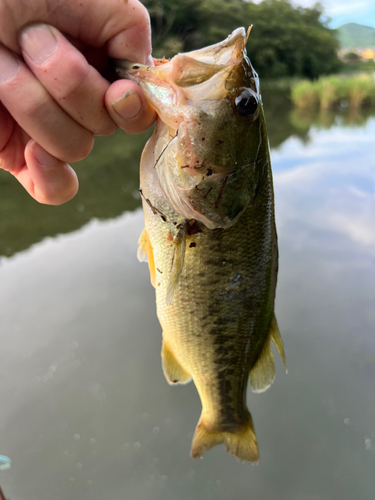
142 246
146 254
178 257
173 371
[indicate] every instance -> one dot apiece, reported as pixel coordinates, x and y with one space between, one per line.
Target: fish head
210 130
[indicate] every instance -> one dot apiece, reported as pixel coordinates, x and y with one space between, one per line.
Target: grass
353 91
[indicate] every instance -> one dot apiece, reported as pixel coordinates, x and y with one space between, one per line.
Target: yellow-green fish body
210 236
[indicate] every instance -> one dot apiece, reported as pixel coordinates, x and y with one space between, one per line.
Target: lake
85 412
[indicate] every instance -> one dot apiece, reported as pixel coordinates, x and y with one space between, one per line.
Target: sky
345 11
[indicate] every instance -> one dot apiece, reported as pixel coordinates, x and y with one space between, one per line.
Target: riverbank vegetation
332 91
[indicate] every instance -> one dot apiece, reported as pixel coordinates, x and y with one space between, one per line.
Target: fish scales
223 327
210 235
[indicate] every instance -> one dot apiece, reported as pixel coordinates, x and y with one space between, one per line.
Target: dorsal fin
276 339
262 373
178 257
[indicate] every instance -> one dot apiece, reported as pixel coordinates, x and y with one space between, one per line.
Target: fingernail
128 106
149 61
9 65
42 156
38 42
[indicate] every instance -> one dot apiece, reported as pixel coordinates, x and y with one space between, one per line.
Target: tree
351 58
285 40
291 41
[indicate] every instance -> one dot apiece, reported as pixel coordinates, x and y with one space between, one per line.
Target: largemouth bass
210 236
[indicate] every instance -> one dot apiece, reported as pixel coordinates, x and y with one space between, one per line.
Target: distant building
359 54
368 55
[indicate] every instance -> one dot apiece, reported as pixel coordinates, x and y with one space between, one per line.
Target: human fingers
132 39
44 177
66 75
122 29
12 143
128 107
38 114
122 26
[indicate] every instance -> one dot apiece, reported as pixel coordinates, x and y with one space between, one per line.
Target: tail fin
241 443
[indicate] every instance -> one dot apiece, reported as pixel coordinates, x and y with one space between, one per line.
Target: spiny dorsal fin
262 373
179 246
146 254
276 339
173 371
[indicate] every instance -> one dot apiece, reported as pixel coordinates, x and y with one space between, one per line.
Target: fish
210 235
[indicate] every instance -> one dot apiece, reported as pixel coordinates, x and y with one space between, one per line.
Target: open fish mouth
205 74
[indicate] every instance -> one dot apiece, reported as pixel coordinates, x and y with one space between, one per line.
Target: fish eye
246 103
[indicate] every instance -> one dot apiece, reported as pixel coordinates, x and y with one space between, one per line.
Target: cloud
329 185
345 11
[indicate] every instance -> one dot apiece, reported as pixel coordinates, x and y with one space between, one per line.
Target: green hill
352 35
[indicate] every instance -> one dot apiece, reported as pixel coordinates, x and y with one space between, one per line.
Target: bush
328 92
305 94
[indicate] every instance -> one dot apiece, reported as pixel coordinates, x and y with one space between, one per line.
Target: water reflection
284 121
109 181
85 412
109 177
304 119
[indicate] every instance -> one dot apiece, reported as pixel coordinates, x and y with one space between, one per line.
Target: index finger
123 25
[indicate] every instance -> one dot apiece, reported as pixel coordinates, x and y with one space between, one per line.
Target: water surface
85 412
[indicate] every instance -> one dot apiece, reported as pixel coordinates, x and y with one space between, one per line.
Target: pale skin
53 98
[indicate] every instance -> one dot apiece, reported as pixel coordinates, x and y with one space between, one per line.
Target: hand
53 99
2 496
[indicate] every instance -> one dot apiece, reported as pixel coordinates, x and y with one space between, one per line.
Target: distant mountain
352 35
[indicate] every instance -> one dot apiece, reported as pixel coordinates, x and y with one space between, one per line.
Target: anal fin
173 371
146 254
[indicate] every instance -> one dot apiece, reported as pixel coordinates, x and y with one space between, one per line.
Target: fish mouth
219 54
205 74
